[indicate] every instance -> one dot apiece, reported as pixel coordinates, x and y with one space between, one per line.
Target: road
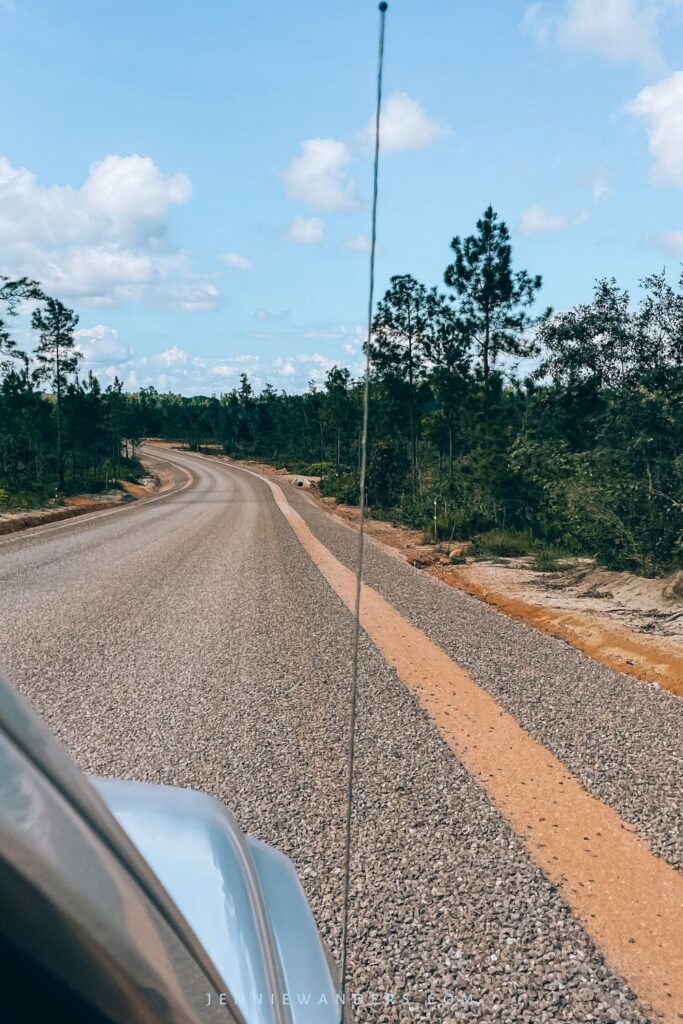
196 640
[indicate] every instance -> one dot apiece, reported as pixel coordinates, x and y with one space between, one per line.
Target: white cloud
193 295
318 177
284 367
170 357
223 370
132 195
105 242
600 187
662 107
405 125
306 230
618 30
101 344
296 371
361 243
265 314
669 241
123 199
537 21
318 359
210 375
234 260
175 369
536 220
100 275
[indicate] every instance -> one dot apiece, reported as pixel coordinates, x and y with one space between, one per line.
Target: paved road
192 641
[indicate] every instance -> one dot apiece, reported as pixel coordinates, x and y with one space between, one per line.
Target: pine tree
491 300
397 349
57 358
446 347
337 384
12 293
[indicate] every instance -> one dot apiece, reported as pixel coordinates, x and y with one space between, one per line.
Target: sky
194 179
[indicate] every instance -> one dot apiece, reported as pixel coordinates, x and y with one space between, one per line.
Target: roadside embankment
160 479
78 505
628 623
632 624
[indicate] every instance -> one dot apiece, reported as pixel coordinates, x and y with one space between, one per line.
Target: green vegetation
579 455
499 543
547 558
502 544
70 437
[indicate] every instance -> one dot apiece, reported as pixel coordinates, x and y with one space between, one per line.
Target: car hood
241 897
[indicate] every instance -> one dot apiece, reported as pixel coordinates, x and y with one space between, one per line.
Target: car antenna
361 532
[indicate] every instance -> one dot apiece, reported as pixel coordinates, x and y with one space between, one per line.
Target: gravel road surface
191 641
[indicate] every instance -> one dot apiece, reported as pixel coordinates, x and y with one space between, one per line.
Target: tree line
59 434
580 452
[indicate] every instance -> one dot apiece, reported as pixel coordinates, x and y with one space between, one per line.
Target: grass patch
18 499
25 496
548 558
498 543
502 544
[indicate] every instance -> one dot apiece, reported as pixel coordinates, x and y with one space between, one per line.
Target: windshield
341 466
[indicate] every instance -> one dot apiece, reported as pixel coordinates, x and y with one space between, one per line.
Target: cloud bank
104 243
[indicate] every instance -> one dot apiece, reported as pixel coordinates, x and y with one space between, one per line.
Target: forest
527 431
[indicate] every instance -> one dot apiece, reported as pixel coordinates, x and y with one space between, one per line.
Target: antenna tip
383 6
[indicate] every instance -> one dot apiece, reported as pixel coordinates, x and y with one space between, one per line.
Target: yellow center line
629 901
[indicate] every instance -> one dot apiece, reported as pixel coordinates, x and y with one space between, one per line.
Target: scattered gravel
623 738
191 642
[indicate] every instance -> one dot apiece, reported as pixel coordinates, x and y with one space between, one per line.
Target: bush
133 470
548 558
25 497
414 511
502 544
315 468
387 468
465 522
86 485
345 488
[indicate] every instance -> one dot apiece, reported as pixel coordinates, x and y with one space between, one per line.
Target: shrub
25 497
345 488
502 544
316 467
464 522
387 468
548 558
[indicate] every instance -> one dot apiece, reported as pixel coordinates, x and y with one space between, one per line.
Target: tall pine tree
57 358
492 301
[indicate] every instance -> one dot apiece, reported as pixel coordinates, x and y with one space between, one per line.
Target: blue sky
195 178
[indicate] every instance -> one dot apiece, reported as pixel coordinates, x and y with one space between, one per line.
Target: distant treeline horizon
583 455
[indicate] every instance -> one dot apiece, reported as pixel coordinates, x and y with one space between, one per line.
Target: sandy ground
634 625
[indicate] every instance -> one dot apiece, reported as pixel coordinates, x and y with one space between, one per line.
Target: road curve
192 641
